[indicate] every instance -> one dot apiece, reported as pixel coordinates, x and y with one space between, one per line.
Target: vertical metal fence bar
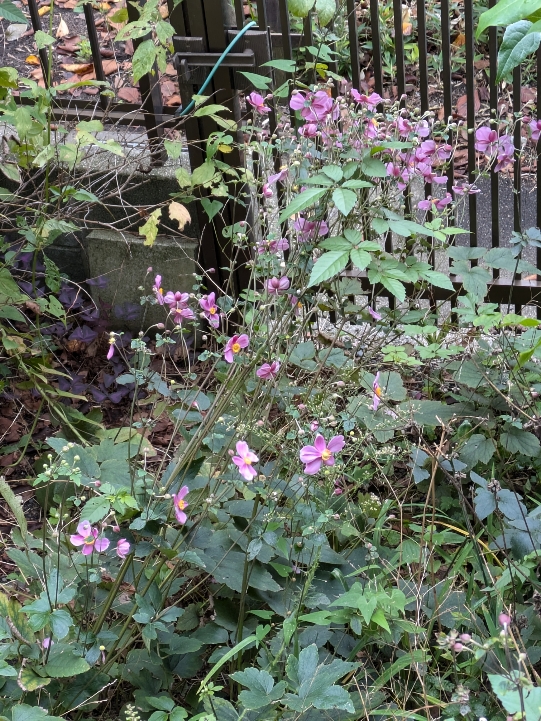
239 13
446 77
517 170
538 169
308 40
95 47
43 53
353 44
376 47
151 102
470 114
261 15
287 46
399 49
423 55
493 100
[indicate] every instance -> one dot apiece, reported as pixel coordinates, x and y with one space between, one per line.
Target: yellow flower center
160 291
212 310
378 391
235 347
247 460
326 454
181 504
89 540
299 304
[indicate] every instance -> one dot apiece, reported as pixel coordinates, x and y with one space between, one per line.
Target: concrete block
120 261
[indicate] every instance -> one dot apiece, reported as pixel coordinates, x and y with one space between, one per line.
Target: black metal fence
205 27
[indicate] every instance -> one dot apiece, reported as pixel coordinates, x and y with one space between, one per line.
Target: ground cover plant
343 521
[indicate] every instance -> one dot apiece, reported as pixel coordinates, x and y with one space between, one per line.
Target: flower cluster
88 538
493 145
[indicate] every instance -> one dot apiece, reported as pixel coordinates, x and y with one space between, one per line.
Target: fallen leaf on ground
79 68
462 104
62 30
407 27
109 66
164 11
15 31
173 100
178 212
130 95
128 48
168 88
527 95
459 40
482 64
107 53
32 60
44 10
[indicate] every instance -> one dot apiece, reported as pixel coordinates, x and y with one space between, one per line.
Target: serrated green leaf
301 202
519 41
374 168
64 663
325 10
506 12
30 681
261 689
360 258
515 440
344 200
300 8
478 449
334 172
143 59
327 266
12 13
42 39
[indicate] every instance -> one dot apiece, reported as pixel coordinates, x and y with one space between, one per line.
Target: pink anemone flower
179 314
257 102
314 107
179 504
87 537
277 286
176 300
486 140
268 371
158 290
210 309
308 230
244 461
272 246
234 345
376 399
320 453
122 548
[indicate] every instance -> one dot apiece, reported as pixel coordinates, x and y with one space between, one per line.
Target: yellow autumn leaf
178 212
44 10
150 228
32 60
225 148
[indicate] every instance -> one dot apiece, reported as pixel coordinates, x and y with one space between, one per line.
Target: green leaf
334 172
42 39
394 286
210 110
64 663
379 226
286 66
30 681
211 207
373 167
360 258
335 243
475 280
121 16
517 699
344 200
301 202
515 440
313 682
406 228
478 449
519 41
204 173
11 171
357 184
143 59
12 13
162 703
95 509
302 356
300 8
23 712
260 82
440 280
325 10
506 12
173 148
410 659
150 228
261 689
328 265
